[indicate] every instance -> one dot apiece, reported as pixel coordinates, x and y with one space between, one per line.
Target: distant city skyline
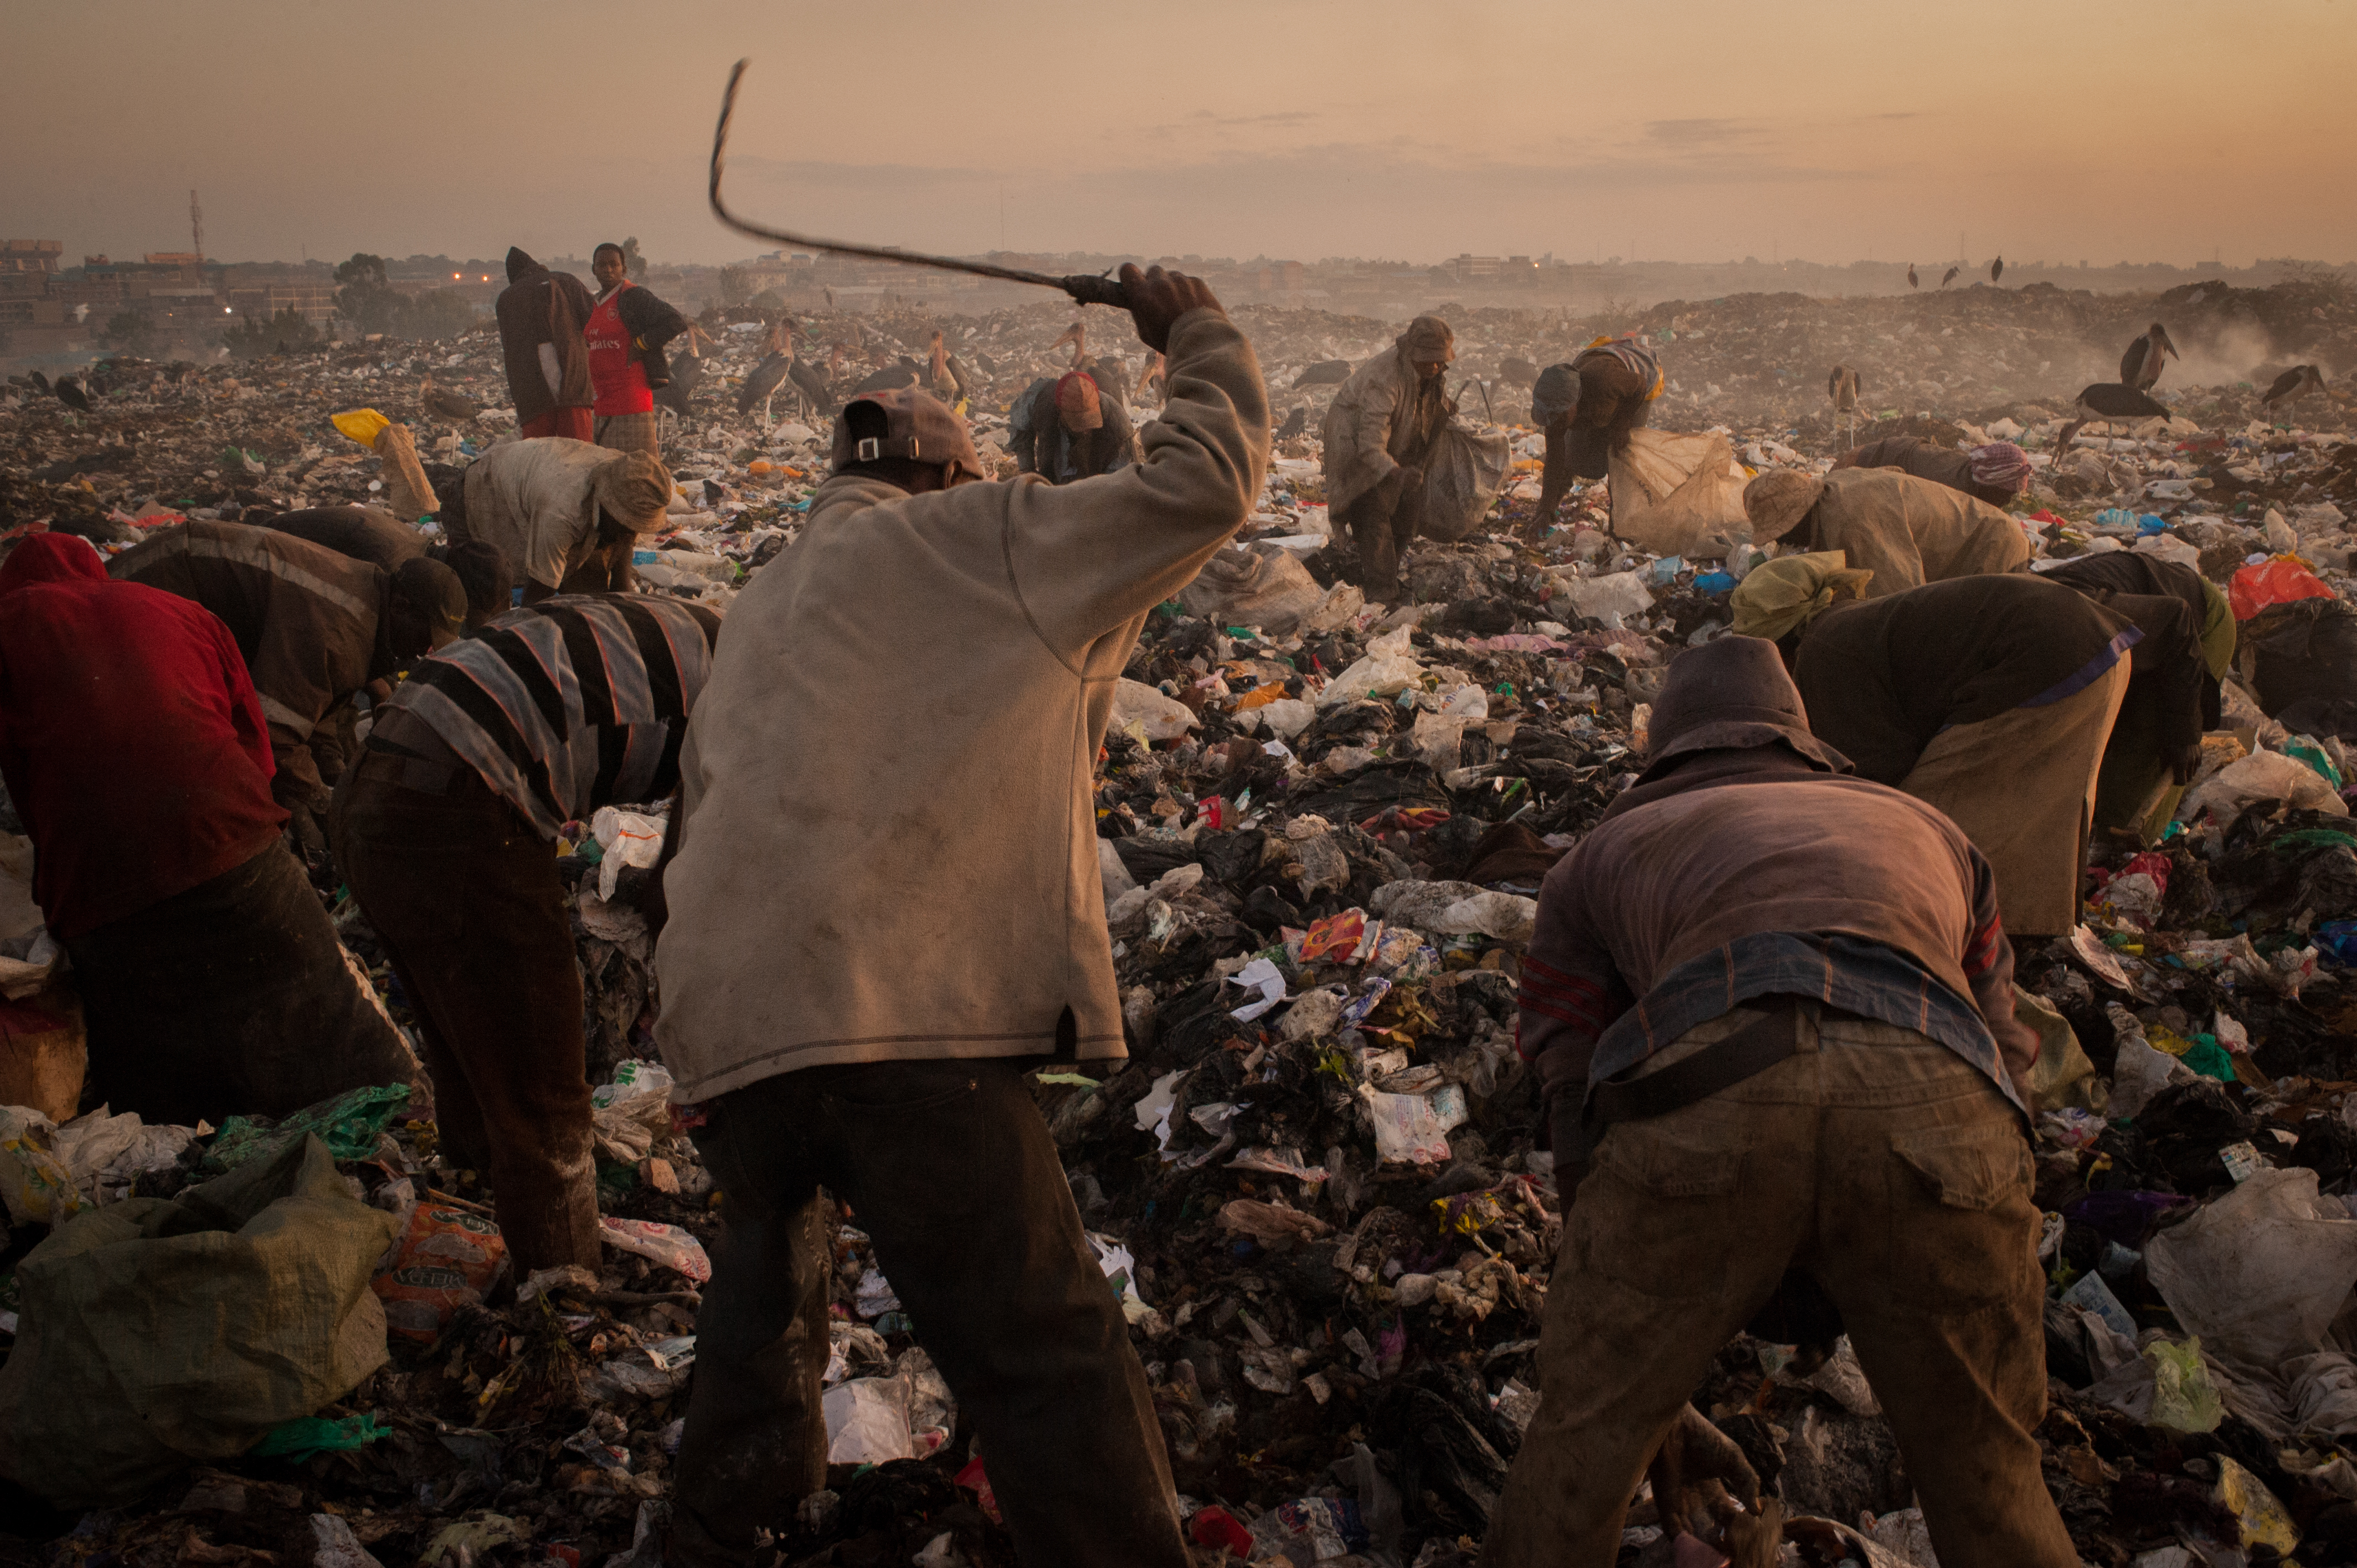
2176 133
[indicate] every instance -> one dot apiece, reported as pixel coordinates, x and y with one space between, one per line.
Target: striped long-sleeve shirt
571 704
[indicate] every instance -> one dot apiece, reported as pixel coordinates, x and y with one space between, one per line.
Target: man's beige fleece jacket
889 842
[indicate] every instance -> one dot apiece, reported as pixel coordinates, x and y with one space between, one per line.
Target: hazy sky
1699 130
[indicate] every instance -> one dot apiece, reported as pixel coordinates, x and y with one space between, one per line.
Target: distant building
30 255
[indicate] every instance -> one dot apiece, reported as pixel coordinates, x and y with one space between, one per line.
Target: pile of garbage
1323 824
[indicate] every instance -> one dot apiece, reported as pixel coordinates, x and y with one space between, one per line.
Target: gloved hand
1696 1466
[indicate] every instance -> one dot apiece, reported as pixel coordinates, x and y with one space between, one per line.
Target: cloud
1700 133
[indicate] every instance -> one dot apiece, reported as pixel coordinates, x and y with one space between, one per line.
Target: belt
1750 1050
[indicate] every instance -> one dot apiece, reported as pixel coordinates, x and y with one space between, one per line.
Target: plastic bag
624 838
1463 473
156 1332
2184 1397
2262 776
350 1124
1386 669
37 1187
1154 716
1610 599
361 425
2278 581
446 1260
631 1114
1679 494
2260 1272
669 1245
1259 585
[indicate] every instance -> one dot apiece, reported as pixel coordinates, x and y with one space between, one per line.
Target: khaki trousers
2022 787
1895 1173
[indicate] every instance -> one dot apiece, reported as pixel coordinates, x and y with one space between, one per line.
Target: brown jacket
311 624
888 849
1907 531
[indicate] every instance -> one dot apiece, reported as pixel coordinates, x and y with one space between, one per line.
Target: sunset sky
2159 131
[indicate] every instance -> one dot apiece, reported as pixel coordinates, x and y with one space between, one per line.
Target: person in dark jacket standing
1771 1006
315 627
135 747
445 830
627 329
541 314
1996 472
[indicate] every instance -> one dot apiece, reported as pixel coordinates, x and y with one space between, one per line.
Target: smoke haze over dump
1699 130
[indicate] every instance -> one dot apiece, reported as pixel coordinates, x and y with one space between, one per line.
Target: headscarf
2001 463
1427 340
519 263
1776 597
51 558
1077 404
1778 499
634 489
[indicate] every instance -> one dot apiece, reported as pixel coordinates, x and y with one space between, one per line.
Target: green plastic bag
299 1440
2183 1397
350 1124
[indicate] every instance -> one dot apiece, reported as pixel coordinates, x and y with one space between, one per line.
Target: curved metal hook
1083 289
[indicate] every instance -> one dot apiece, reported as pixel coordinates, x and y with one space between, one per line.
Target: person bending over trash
1771 1006
1991 698
374 535
445 830
1068 429
1905 530
540 316
625 332
316 627
1996 472
885 908
2173 696
565 514
139 754
1380 430
1586 407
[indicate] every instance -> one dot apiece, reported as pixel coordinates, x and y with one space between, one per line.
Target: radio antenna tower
196 224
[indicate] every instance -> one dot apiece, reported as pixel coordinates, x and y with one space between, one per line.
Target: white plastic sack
1413 1129
627 839
1509 917
1462 476
1610 599
1387 669
1160 717
1677 494
1257 586
2259 1273
2262 776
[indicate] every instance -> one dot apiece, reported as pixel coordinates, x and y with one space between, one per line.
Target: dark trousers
1383 523
948 1166
231 998
464 894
